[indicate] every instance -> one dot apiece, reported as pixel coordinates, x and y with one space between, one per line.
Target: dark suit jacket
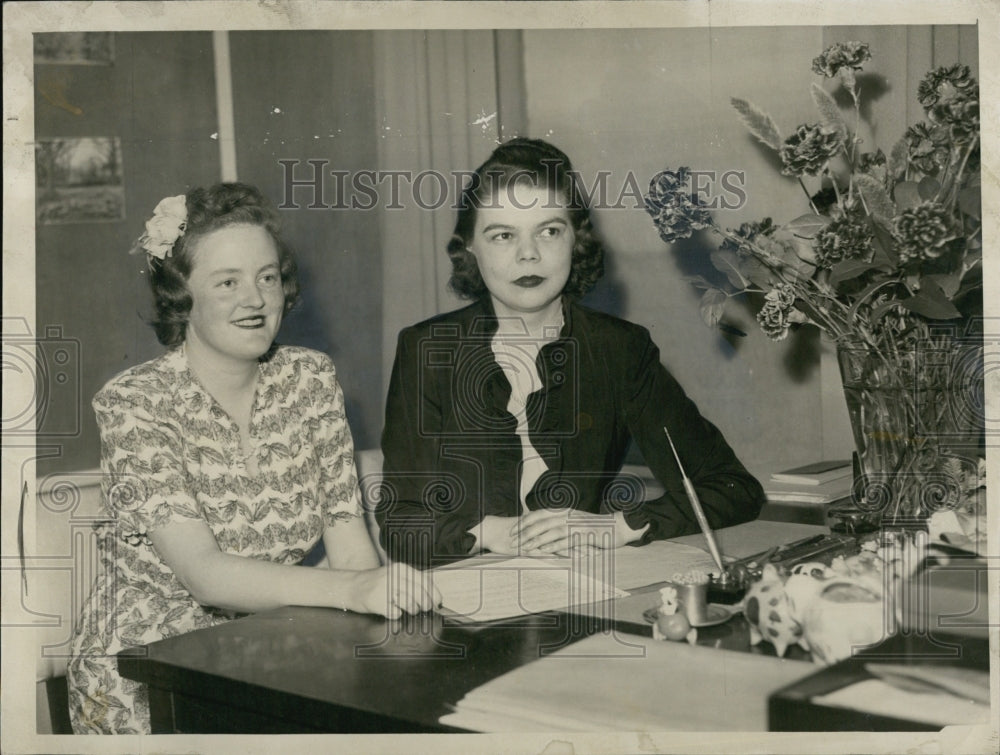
452 455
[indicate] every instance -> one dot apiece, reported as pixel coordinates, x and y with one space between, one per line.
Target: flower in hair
165 227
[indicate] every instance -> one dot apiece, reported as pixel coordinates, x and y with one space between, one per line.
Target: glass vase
917 418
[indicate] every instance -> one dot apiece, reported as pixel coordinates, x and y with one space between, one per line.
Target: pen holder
693 599
727 588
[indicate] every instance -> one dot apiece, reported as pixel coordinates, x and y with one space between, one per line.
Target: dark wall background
304 96
297 95
158 98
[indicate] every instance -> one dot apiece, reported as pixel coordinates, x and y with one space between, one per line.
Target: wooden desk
301 670
322 670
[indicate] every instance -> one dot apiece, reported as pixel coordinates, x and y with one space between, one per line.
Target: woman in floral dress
224 461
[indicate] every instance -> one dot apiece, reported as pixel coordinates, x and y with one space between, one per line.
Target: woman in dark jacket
507 421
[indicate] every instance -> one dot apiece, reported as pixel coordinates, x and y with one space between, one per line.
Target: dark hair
544 165
208 210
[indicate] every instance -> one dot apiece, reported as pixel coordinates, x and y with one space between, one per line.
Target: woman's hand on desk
494 535
561 531
393 590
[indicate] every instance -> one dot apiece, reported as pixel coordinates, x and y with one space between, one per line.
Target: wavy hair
540 164
208 210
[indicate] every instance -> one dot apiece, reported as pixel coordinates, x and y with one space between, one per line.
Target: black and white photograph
500 377
74 47
79 180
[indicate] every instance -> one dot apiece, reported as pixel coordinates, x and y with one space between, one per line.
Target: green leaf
758 273
931 302
972 281
970 201
808 225
863 296
726 262
928 188
698 281
898 159
829 111
880 311
907 195
877 201
972 258
948 282
800 256
885 251
848 270
758 123
713 302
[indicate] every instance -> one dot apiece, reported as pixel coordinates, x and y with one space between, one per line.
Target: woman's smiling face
236 293
523 244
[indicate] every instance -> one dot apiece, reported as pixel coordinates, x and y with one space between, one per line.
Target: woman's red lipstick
529 281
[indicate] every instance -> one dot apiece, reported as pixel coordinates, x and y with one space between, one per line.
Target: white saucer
717 614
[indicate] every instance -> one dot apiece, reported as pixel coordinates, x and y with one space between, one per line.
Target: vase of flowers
886 260
914 428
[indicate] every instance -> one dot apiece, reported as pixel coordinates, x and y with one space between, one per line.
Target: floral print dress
170 453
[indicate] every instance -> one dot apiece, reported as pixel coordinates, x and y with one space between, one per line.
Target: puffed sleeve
142 458
653 400
333 443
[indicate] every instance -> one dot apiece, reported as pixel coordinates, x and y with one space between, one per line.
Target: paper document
598 684
879 698
488 589
656 562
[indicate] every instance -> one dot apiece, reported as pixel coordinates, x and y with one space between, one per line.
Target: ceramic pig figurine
843 617
767 610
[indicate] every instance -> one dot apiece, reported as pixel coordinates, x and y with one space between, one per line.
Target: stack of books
820 482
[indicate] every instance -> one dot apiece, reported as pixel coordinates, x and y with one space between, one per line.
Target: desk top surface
411 670
295 659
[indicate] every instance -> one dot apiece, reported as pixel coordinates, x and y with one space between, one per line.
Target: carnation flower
843 239
841 56
945 83
924 232
676 211
950 95
809 149
166 226
745 234
960 114
928 147
774 316
784 294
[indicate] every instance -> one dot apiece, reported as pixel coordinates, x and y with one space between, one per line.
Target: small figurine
671 623
833 610
767 611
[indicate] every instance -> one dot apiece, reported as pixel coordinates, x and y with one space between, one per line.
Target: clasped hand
559 532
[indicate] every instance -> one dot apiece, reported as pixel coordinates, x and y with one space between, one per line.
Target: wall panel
309 95
158 97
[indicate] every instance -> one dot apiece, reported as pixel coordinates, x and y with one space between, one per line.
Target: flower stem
808 195
961 170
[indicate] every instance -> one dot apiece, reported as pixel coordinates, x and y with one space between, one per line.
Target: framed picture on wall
86 48
79 180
